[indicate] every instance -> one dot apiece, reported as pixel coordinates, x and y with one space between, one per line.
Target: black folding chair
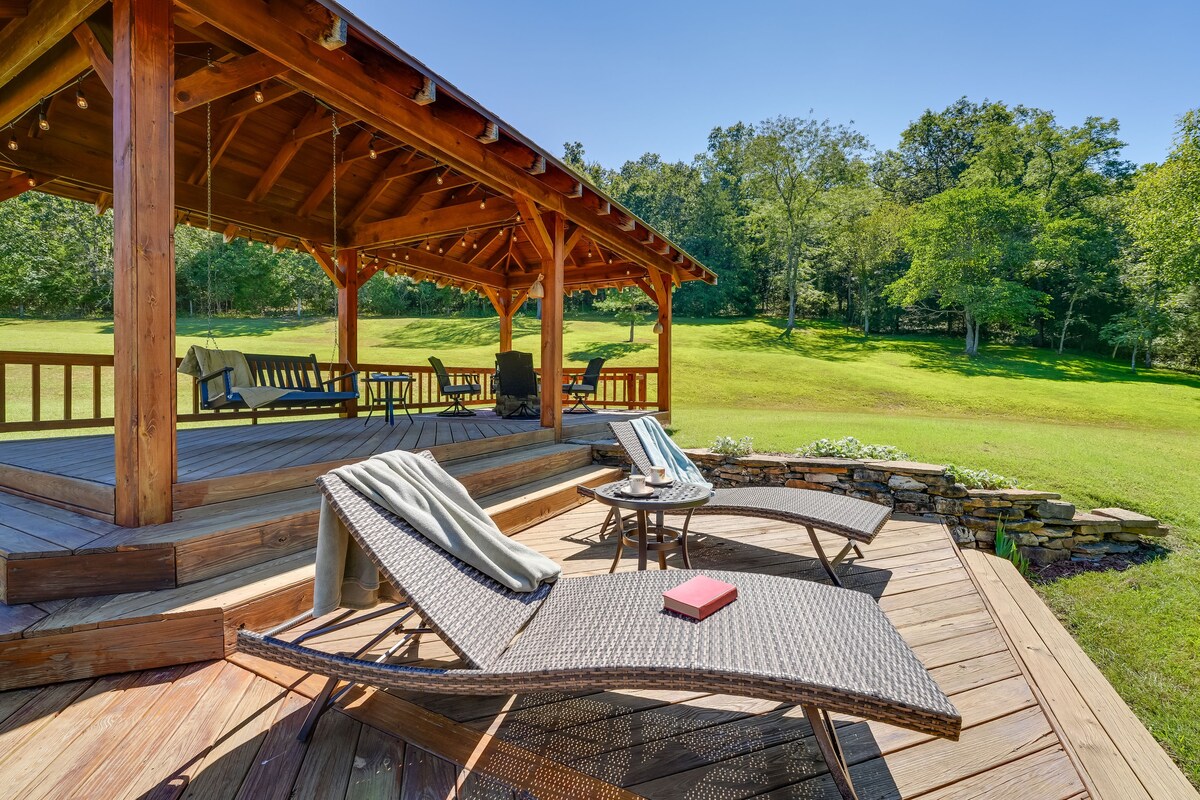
583 385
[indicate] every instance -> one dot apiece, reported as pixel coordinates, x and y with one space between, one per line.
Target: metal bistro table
676 497
389 383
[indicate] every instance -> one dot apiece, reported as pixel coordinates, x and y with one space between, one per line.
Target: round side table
389 382
676 497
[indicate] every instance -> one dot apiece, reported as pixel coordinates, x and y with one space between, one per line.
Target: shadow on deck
1038 719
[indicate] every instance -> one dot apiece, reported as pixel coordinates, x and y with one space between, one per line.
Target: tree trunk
972 340
1133 358
631 321
791 320
1062 336
299 308
866 323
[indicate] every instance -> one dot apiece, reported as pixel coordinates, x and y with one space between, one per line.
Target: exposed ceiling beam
326 262
442 266
430 224
58 66
13 9
96 42
376 189
222 78
288 149
222 138
287 32
25 40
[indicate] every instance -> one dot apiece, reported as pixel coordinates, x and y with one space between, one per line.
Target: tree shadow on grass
232 327
827 341
608 351
448 334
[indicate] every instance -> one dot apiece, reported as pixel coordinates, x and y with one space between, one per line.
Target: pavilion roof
420 178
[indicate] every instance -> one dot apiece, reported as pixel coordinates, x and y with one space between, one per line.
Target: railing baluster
67 392
97 400
36 391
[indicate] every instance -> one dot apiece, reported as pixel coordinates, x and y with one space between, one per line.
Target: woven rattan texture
855 519
476 616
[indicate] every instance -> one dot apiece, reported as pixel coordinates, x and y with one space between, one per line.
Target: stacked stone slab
1045 528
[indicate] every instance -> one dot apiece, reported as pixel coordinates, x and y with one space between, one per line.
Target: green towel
202 361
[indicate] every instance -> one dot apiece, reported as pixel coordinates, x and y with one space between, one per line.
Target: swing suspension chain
208 251
333 359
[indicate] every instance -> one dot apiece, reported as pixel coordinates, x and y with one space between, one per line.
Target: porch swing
230 380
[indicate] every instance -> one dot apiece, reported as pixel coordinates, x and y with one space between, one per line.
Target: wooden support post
552 329
347 307
506 320
664 287
144 261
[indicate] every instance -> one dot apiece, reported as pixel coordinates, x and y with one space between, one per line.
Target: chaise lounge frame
859 521
819 647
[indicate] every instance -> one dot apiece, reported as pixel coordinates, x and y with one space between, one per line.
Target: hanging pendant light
43 120
80 98
371 152
12 140
537 291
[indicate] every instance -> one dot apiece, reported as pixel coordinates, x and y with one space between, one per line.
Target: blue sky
626 78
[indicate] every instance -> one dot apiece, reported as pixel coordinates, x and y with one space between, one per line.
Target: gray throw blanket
415 488
202 361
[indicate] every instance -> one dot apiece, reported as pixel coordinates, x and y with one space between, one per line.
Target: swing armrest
329 383
214 374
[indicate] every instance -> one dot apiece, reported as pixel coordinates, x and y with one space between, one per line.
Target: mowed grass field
1083 426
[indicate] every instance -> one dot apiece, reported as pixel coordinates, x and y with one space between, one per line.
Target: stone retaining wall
1046 528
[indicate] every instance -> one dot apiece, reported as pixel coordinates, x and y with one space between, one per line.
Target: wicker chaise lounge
858 520
823 648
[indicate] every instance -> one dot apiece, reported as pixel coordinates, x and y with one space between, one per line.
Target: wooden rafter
376 189
13 9
445 267
222 138
220 79
429 224
23 41
287 150
286 34
59 65
95 40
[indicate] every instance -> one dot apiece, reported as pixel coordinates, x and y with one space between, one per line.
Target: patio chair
859 521
816 646
515 378
583 385
455 391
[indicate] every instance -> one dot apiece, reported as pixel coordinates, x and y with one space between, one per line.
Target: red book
699 597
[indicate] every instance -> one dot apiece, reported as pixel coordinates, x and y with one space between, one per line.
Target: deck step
211 540
61 640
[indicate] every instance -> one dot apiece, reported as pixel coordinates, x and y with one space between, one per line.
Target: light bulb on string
371 149
43 120
483 204
12 140
259 97
80 98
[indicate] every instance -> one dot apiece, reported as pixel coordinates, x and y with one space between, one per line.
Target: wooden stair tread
253 582
516 497
218 593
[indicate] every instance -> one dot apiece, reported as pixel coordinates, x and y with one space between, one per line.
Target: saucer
628 492
667 482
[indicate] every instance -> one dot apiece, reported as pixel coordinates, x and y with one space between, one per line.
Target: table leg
405 394
683 534
389 394
643 535
620 545
662 554
370 402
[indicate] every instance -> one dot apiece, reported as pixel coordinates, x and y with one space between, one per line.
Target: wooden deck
1039 722
226 462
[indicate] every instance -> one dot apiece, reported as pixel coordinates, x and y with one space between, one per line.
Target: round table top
384 378
665 498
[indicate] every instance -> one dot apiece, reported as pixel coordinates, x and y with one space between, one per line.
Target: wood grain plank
378 772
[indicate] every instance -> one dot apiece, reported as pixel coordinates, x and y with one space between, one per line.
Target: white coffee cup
659 474
637 484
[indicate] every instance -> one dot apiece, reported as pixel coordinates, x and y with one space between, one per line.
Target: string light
441 177
371 149
12 140
483 204
518 216
440 250
32 181
259 97
80 97
43 120
427 245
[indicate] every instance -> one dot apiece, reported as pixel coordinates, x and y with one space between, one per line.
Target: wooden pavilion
293 123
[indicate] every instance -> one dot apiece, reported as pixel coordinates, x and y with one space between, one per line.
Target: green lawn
1082 426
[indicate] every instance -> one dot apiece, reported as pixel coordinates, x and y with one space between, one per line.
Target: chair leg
523 411
581 404
816 543
456 409
319 706
831 750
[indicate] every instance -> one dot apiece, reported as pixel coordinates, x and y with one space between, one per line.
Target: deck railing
65 391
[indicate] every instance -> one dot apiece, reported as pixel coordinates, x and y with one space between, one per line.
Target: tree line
987 221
